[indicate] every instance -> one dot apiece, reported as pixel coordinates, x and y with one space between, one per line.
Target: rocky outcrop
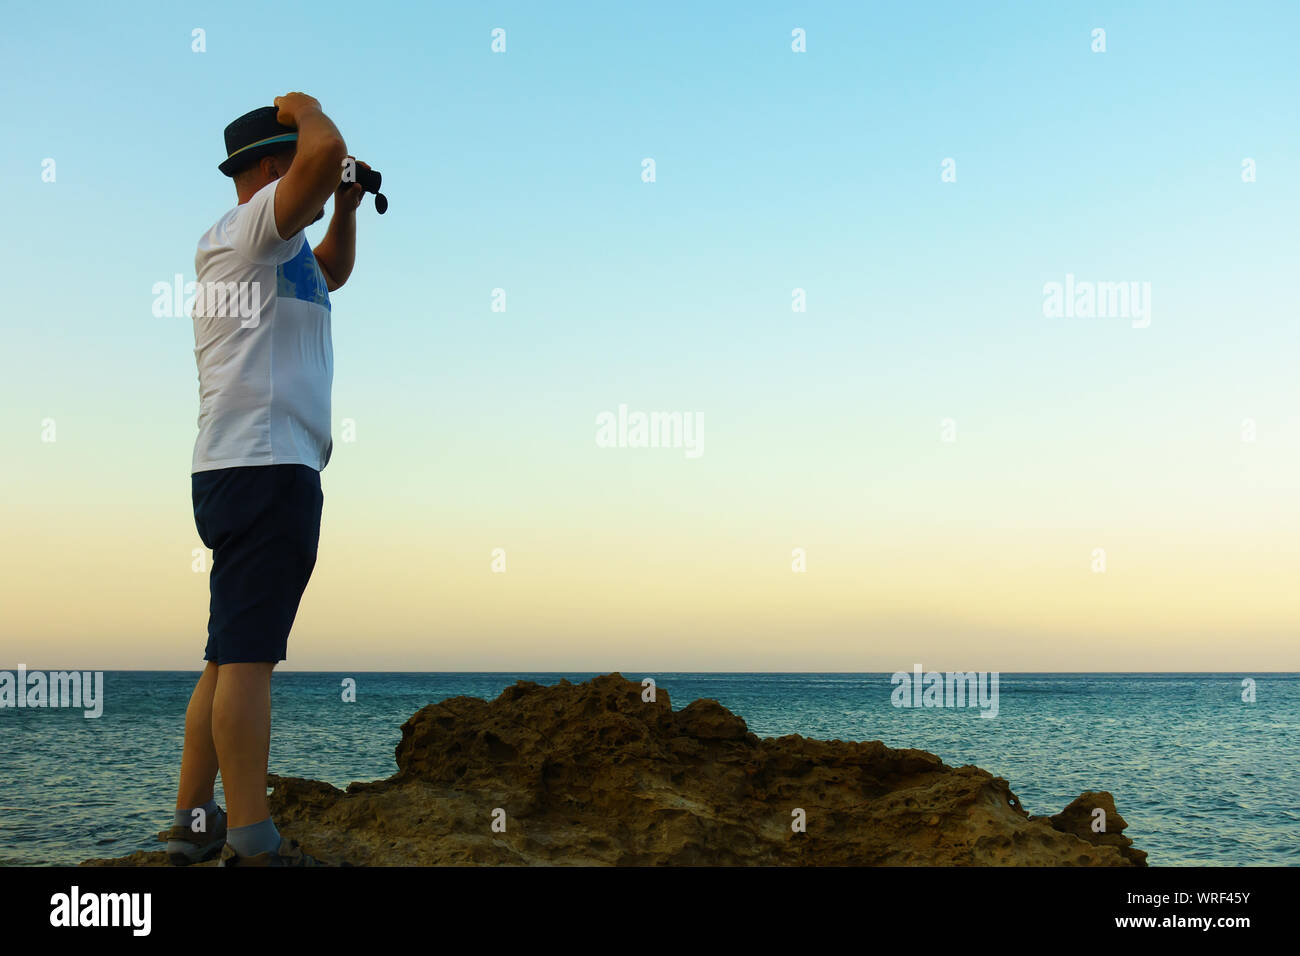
593 774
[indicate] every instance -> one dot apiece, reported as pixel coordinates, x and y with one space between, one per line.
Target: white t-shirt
262 343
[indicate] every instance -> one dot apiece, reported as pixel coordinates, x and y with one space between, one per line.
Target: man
264 435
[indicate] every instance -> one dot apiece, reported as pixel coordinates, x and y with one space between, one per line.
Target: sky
923 464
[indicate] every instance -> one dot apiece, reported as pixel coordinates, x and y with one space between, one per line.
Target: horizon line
172 670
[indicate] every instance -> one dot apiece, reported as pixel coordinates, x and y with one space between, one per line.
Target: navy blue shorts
262 523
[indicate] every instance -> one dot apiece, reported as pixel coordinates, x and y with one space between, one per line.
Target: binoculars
369 180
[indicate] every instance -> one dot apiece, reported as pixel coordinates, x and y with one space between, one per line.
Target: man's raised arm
316 168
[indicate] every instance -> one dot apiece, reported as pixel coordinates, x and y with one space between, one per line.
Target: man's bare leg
199 758
241 731
198 826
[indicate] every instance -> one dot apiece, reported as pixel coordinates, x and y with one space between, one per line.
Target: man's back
265 368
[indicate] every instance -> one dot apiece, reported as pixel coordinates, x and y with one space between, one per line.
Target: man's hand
292 105
349 195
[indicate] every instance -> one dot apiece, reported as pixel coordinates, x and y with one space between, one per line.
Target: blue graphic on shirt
301 278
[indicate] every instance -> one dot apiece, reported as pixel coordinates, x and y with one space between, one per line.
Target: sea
1205 768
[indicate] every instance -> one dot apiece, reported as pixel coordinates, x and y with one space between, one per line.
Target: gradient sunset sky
822 430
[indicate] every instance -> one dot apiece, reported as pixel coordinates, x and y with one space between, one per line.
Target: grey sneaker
186 846
289 854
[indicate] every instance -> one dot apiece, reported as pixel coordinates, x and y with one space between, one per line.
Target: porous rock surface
594 774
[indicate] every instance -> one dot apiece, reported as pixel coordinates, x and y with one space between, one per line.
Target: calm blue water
1201 777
